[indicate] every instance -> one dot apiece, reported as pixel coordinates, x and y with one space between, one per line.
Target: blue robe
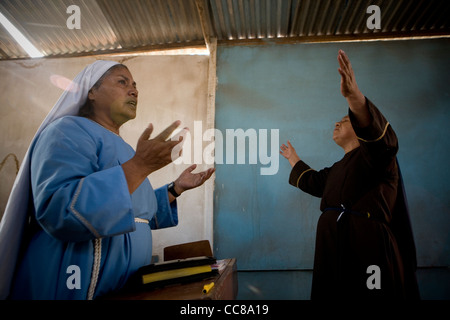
83 211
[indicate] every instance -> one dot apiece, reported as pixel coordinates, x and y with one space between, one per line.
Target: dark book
173 271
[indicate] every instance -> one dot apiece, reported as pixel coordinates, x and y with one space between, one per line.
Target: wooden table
225 288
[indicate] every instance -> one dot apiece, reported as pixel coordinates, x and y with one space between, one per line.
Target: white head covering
15 216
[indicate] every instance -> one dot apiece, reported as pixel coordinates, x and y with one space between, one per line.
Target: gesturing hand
289 153
153 154
150 155
188 180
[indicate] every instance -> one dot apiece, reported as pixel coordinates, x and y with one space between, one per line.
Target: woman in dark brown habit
364 243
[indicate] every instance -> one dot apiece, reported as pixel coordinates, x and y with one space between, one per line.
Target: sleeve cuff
297 172
376 130
167 214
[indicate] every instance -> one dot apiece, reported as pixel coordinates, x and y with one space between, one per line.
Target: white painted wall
171 87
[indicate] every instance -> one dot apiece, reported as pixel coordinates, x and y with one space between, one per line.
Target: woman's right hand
151 155
156 153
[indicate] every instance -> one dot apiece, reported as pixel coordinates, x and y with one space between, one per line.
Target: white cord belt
139 220
97 260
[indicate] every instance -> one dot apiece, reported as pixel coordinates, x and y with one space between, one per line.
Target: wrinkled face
343 132
117 96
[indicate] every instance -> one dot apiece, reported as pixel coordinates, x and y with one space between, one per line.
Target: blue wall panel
269 225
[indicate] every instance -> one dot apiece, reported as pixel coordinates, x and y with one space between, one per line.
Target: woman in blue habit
82 204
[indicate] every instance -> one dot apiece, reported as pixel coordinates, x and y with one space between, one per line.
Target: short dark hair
87 109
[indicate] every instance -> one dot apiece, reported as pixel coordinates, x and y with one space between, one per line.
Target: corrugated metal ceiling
109 26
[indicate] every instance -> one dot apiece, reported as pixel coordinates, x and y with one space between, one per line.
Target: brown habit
364 221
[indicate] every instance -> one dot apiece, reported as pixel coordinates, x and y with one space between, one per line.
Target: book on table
174 271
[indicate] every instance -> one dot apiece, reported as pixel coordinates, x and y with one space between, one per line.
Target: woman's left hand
188 180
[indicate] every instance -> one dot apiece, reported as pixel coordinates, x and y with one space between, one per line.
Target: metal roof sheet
136 25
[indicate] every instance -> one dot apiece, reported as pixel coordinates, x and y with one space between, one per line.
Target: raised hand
289 153
349 89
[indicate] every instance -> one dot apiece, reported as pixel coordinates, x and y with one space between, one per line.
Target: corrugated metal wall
136 25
